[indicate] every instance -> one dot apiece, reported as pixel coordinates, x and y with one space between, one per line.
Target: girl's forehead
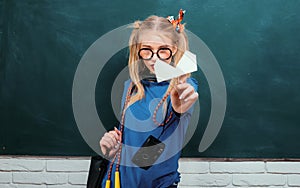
155 40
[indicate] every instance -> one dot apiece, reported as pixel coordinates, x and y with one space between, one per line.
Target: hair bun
137 24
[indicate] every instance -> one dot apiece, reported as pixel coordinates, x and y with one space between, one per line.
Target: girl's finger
106 144
104 150
115 135
118 133
187 92
193 97
108 153
107 148
110 138
181 87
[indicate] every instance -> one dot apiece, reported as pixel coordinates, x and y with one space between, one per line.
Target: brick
294 180
14 164
67 165
193 167
259 186
40 178
5 177
6 186
283 167
230 186
205 180
237 167
258 180
56 178
24 186
66 186
78 178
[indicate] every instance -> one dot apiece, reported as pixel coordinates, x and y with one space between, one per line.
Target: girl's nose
154 58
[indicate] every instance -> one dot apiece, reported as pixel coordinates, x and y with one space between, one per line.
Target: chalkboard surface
256 43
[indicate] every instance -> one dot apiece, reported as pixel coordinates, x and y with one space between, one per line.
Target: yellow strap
107 185
117 179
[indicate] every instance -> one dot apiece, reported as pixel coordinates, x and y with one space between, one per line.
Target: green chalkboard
256 43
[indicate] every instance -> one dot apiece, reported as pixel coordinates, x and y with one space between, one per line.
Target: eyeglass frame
163 48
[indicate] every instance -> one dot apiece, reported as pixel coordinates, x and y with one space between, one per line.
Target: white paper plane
187 64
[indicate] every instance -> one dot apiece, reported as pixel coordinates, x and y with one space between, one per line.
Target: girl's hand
110 143
183 95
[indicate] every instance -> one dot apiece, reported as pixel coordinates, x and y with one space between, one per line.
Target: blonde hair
165 30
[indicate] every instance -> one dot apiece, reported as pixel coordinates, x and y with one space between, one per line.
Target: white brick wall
43 172
71 172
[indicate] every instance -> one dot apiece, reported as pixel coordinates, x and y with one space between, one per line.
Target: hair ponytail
137 24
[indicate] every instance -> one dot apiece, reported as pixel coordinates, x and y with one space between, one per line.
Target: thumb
182 78
173 91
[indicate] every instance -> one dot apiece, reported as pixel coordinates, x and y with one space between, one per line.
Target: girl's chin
152 69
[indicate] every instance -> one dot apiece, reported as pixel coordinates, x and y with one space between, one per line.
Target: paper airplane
187 64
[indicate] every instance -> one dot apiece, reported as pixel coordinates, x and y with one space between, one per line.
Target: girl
151 110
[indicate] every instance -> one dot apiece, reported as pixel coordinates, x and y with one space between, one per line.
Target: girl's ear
174 50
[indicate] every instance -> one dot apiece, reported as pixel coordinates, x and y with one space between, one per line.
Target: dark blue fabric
139 126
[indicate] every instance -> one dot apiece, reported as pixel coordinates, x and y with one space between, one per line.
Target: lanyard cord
118 154
156 109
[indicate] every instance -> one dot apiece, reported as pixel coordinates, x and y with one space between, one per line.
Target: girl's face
153 47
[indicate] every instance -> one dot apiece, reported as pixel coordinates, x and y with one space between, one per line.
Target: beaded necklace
118 154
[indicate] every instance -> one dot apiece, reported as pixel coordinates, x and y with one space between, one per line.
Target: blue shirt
139 126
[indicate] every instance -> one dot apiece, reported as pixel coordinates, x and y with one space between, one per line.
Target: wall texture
67 172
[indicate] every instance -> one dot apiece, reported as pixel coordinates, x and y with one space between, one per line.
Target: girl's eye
145 53
164 53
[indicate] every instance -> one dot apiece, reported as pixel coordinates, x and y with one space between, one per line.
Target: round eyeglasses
162 53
